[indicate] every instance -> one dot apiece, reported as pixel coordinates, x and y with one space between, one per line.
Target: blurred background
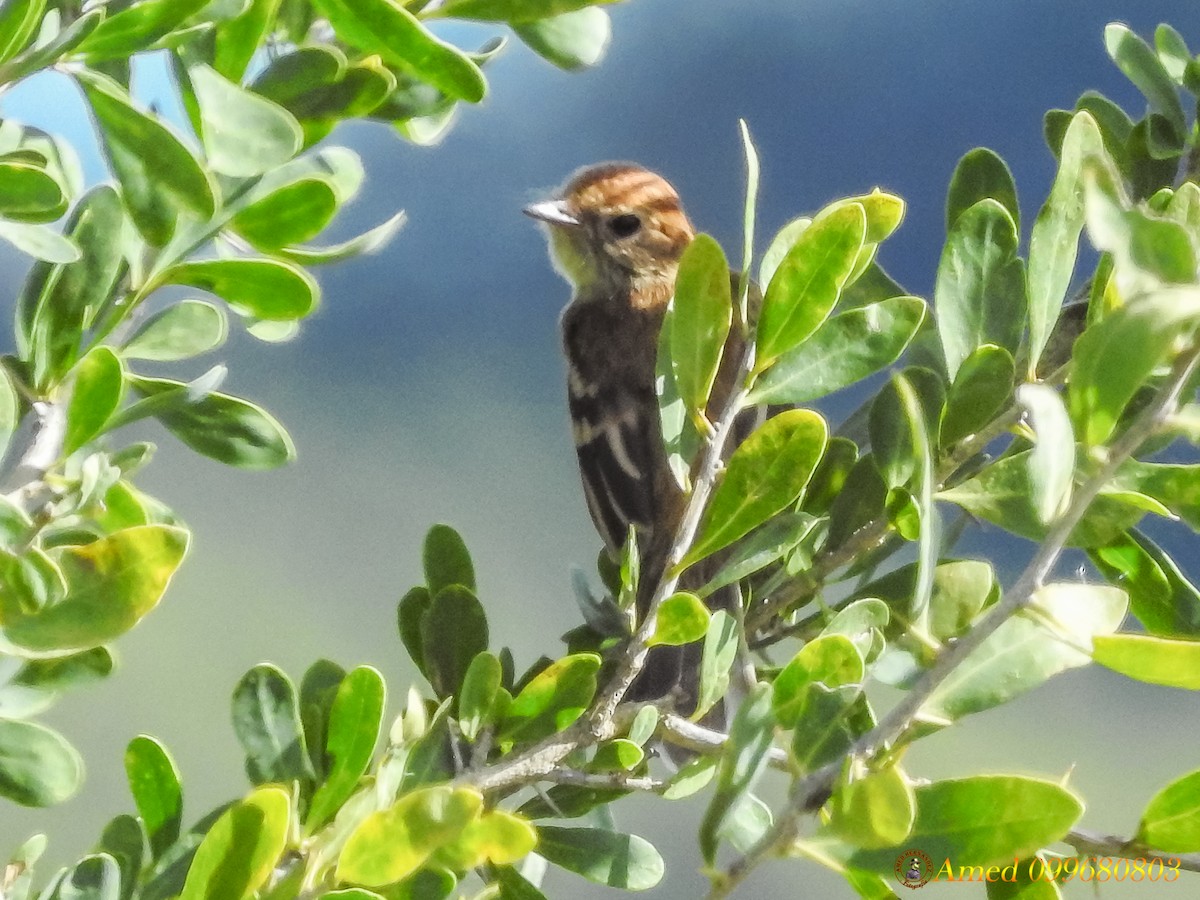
429 387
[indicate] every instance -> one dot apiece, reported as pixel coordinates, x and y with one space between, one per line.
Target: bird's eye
626 225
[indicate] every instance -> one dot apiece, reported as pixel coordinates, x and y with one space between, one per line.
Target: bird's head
615 227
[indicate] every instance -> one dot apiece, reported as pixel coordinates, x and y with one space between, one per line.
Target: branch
810 793
680 732
1089 843
37 446
609 781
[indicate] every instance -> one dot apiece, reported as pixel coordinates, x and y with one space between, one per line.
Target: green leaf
877 810
136 27
242 848
354 723
295 213
1001 494
318 690
227 429
59 302
37 765
1026 650
1116 356
362 244
236 40
773 541
717 658
864 620
1055 239
478 696
40 242
766 473
1173 52
1160 596
393 843
1052 460
159 177
111 583
844 350
266 718
682 618
409 613
981 820
95 877
99 386
388 29
571 40
181 331
19 20
28 193
453 631
860 500
681 439
703 311
783 241
981 174
244 134
831 659
1141 65
742 762
1151 659
806 285
157 794
513 10
40 55
123 841
980 291
497 837
1148 250
513 886
553 699
623 861
982 386
1171 821
447 561
263 288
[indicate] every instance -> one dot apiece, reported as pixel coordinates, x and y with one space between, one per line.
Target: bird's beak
553 212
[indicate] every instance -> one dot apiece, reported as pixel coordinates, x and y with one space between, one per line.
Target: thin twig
1090 843
680 732
809 793
608 781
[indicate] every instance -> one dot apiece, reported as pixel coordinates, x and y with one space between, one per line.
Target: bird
616 233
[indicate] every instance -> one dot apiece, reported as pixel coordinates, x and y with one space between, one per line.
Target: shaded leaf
980 291
353 730
845 349
979 175
623 861
37 765
181 331
386 28
570 40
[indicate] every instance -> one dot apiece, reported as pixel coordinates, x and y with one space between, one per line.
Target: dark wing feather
617 458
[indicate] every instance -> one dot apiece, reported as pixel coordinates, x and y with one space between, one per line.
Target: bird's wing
619 449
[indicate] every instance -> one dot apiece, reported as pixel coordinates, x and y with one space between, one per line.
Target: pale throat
605 280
